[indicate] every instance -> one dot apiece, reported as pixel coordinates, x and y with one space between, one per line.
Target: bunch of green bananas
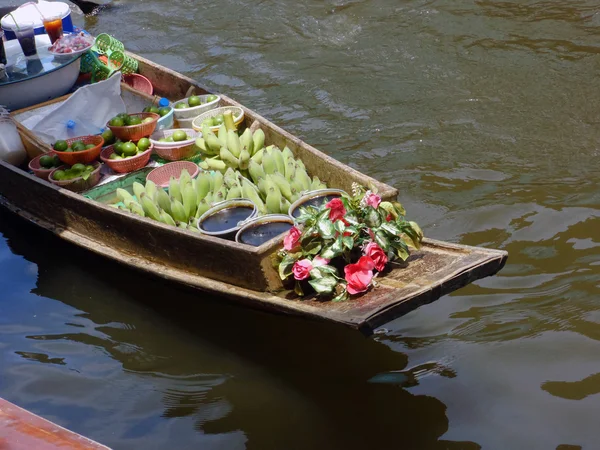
228 149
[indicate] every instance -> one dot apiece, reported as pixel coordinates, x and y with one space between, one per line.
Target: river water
484 114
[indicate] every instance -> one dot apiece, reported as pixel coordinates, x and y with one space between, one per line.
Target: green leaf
391 228
399 208
316 274
298 289
352 230
312 248
348 242
325 285
401 249
85 176
351 219
372 218
340 226
326 228
382 241
341 297
333 250
327 269
285 266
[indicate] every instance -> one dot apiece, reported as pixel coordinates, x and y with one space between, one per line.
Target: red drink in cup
54 28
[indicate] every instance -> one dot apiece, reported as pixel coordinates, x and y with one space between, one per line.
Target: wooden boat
238 272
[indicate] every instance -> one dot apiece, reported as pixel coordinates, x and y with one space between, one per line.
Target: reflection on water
484 114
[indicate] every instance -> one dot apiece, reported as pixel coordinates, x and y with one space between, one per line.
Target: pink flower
318 261
292 238
301 269
373 200
359 275
337 210
376 253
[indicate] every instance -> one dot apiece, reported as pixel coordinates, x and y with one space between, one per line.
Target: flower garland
357 235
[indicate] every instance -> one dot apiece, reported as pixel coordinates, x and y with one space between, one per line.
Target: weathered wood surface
23 430
227 269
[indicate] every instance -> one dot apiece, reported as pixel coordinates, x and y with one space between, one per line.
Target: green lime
87 147
170 139
210 121
118 147
211 98
78 168
218 120
61 146
114 156
89 168
108 136
164 111
181 105
56 161
59 175
179 135
143 144
133 120
46 161
194 100
163 140
78 147
148 119
122 115
116 122
129 149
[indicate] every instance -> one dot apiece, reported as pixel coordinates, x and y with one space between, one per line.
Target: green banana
150 207
124 196
175 189
190 203
136 208
258 156
229 158
273 201
246 140
138 188
269 164
151 188
228 121
285 206
203 206
290 169
235 192
178 211
287 153
220 195
262 186
222 136
166 218
256 171
163 200
217 181
182 225
202 185
297 187
301 176
184 179
282 184
213 143
214 164
258 139
244 159
276 153
249 192
233 143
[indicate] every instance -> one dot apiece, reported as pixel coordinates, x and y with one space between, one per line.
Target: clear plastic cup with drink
26 36
54 28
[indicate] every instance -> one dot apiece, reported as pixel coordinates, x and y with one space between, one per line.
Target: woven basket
174 151
195 111
238 117
139 83
126 165
78 184
162 175
84 156
37 169
136 132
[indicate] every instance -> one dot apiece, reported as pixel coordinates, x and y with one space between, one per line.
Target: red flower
376 253
389 218
337 210
373 200
292 238
301 269
359 275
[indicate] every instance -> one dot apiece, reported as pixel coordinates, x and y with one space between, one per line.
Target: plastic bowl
138 82
228 233
194 111
37 169
84 156
136 132
174 151
166 121
162 175
77 184
238 117
126 165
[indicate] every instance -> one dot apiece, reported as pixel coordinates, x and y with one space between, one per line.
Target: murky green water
484 114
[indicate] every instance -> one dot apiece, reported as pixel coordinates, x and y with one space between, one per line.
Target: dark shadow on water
290 383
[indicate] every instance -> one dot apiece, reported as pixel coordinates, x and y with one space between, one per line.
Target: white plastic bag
85 112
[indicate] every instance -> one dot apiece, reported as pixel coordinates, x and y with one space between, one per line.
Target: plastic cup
54 28
2 51
26 36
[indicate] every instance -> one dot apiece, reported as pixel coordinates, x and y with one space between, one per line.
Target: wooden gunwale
236 271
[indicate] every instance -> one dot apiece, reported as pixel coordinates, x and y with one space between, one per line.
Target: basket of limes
174 145
193 106
82 149
43 164
133 127
125 157
78 177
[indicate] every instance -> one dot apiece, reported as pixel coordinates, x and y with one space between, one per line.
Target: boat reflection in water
165 354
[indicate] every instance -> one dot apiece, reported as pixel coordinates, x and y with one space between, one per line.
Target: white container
11 146
194 111
29 13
